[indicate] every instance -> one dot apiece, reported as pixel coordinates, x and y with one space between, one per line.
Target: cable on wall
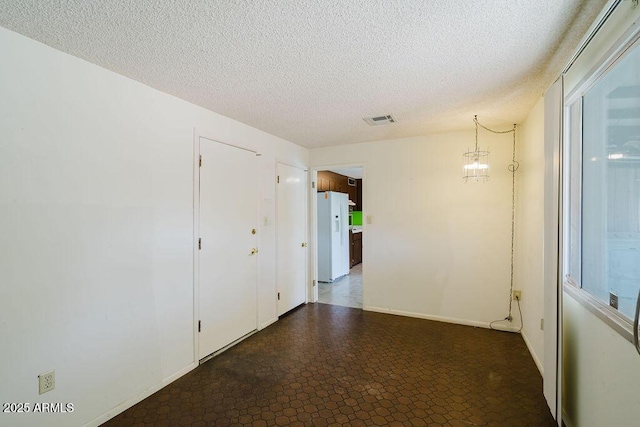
513 167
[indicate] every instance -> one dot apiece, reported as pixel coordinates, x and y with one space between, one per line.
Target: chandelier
476 162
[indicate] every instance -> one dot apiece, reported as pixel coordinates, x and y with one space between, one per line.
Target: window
602 179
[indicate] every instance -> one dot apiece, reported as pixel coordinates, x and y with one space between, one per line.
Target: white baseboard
140 397
533 353
456 321
268 322
376 309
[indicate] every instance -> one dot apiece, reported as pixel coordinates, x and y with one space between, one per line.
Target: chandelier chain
475 119
513 167
491 130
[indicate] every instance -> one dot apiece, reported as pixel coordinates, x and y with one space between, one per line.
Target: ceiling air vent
380 120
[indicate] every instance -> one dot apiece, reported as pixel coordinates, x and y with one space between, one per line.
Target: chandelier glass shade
476 163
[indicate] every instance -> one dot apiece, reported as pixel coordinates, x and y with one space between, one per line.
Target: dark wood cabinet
323 184
350 249
358 197
355 251
357 248
351 190
331 181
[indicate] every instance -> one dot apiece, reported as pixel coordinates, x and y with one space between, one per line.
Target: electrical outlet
517 295
47 381
613 299
542 324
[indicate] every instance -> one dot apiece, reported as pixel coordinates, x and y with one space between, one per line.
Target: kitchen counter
355 228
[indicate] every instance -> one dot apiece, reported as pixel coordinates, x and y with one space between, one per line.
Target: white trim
212 139
227 347
611 317
376 309
453 320
552 245
599 22
229 140
208 135
101 419
196 236
623 46
533 353
313 226
312 220
292 164
268 323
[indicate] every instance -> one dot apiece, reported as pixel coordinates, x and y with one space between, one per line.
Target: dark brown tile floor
325 365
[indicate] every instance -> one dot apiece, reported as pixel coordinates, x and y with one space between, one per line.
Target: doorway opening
339 241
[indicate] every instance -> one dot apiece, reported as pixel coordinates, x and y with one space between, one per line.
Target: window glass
610 187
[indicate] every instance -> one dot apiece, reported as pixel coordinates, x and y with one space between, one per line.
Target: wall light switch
369 219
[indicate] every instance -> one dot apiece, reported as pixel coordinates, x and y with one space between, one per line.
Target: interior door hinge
314 283
278 296
278 179
199 325
313 184
199 243
200 161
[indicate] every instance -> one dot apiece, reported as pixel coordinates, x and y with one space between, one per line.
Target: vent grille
379 120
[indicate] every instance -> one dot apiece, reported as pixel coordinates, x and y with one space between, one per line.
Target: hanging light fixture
476 162
476 168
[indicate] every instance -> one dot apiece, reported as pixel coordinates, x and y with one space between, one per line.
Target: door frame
313 227
197 135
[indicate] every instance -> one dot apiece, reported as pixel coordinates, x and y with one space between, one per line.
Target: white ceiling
310 70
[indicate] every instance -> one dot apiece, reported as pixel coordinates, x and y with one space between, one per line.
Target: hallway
328 365
346 291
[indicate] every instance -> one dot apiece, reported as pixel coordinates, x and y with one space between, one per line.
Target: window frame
572 136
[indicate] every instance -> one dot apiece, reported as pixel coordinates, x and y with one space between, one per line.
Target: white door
228 249
292 237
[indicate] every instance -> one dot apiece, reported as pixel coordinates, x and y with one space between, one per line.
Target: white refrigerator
333 235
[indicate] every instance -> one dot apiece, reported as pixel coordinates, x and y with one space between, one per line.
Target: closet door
291 236
228 247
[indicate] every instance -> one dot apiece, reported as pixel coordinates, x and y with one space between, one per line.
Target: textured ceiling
310 70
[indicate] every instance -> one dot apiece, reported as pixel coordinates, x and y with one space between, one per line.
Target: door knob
254 251
304 244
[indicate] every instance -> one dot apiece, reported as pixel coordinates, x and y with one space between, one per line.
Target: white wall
528 271
96 231
601 370
437 247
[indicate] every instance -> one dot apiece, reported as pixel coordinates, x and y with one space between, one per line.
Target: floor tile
346 291
324 365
